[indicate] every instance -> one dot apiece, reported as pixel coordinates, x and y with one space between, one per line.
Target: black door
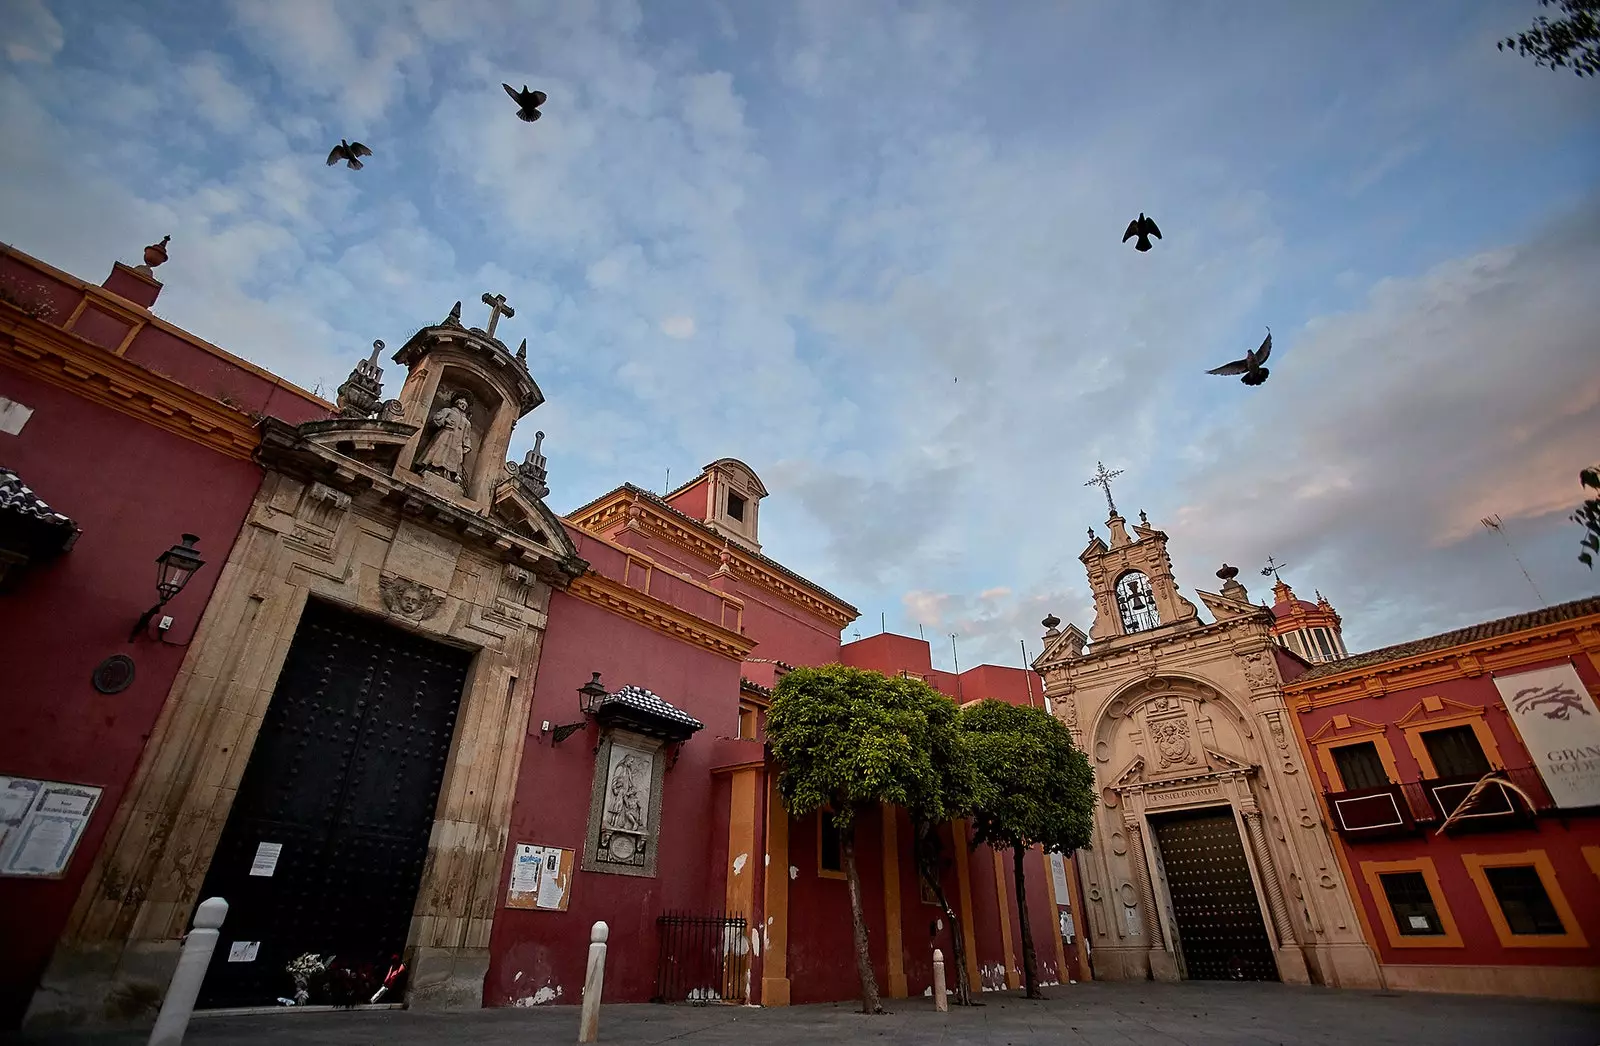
1219 921
336 804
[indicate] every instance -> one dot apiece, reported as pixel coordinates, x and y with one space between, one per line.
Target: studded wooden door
324 848
1219 920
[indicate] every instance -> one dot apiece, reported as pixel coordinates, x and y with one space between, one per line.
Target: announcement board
41 823
541 877
1560 724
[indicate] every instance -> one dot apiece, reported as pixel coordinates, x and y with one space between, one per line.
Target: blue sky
872 250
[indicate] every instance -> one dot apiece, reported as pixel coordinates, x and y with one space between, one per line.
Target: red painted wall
821 950
531 950
132 489
1562 837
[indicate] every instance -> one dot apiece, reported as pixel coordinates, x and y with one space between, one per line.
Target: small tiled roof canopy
636 708
29 528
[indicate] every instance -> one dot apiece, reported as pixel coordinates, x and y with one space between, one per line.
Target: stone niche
339 517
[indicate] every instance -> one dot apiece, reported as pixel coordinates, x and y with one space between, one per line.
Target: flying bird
1144 228
1251 366
528 102
350 153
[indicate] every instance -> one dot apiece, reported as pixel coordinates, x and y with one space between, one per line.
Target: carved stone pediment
1067 645
373 442
1224 608
514 507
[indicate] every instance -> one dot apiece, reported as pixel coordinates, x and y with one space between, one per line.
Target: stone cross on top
1103 479
497 307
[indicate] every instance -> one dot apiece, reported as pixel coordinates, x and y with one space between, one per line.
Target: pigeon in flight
350 153
528 102
1251 366
1144 228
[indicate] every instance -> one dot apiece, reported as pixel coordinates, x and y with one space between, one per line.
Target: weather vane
1272 568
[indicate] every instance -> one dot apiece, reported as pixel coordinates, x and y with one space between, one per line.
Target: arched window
1136 603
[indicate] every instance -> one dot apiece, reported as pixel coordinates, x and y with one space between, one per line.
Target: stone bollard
941 998
594 980
173 1020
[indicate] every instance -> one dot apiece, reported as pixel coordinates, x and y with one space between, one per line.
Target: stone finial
1091 533
1051 625
362 392
156 253
522 351
455 315
1144 520
532 472
1228 573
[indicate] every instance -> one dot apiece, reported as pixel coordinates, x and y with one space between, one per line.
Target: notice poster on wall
1560 723
41 823
1058 875
541 877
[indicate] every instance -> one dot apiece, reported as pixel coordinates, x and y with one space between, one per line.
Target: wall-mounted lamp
590 696
174 568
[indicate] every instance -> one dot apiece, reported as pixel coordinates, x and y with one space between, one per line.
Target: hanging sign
1560 724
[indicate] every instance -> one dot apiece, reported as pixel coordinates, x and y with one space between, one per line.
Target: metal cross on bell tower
1272 568
1102 479
497 308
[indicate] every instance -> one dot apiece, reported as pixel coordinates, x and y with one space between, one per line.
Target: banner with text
1560 724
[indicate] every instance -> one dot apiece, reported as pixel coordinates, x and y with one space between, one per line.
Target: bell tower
1131 577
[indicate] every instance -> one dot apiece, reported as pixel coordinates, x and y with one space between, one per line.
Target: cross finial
1272 568
1102 479
497 308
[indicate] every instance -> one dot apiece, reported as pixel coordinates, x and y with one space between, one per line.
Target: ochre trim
741 886
1540 861
659 615
1003 903
894 942
649 518
775 901
1553 642
62 359
1591 854
1324 741
969 937
1371 870
1415 723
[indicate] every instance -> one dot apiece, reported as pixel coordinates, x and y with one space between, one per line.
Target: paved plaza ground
1125 1014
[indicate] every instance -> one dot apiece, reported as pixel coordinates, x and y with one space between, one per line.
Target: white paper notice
525 868
244 951
1133 921
1418 922
1058 873
266 860
41 823
1066 926
550 890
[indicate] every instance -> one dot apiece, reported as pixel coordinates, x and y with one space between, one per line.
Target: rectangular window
1455 752
735 507
1360 766
829 859
1322 642
1412 904
747 722
1523 900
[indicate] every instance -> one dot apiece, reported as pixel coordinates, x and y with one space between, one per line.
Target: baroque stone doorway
325 844
1220 930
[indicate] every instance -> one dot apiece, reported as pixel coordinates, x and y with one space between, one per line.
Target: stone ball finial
156 253
1050 622
1228 573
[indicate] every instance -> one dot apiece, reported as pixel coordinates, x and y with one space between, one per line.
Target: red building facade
1461 778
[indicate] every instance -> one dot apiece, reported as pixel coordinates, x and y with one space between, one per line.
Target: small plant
1588 516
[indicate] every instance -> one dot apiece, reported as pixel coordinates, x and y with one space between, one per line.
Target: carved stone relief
408 599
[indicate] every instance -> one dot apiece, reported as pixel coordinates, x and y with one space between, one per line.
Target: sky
872 249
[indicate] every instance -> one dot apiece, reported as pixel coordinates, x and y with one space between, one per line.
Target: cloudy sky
872 249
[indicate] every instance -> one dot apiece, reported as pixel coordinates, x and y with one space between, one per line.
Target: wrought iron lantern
590 696
174 568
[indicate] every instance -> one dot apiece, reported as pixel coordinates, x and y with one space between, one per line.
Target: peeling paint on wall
738 863
543 996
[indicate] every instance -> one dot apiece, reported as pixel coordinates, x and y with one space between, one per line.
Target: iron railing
1402 809
702 958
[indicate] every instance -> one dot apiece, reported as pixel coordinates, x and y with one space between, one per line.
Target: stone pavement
1194 1013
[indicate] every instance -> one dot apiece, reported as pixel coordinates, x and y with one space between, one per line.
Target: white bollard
594 980
173 1020
941 998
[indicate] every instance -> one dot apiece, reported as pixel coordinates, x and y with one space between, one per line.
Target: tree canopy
1588 516
1572 42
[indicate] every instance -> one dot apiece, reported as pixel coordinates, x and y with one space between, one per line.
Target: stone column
1291 960
1163 964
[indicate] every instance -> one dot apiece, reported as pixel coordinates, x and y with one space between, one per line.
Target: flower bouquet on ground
306 971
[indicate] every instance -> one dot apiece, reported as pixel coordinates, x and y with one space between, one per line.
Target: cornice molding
647 518
1570 638
60 358
609 594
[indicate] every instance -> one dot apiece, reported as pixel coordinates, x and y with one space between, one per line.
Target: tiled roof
1504 626
639 699
17 497
660 502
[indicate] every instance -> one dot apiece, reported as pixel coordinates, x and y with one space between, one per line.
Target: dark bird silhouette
350 153
1144 228
1251 366
528 102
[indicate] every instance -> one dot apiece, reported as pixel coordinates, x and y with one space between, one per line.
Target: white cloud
33 33
678 327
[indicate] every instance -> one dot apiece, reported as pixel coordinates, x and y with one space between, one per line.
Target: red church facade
1494 891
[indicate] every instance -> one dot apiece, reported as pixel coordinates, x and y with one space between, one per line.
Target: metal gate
324 847
702 959
1219 919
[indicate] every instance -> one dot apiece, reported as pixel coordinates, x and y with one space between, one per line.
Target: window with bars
1455 752
1360 766
1415 914
1523 900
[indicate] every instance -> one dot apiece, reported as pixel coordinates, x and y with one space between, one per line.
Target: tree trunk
927 847
858 920
1030 970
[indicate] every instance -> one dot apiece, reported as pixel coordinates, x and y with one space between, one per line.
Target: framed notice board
541 877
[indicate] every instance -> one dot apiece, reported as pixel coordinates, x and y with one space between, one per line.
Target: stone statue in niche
624 820
451 442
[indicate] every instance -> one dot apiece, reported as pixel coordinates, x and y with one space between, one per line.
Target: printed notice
1133 921
244 951
1066 926
541 877
1418 922
1058 875
266 859
41 823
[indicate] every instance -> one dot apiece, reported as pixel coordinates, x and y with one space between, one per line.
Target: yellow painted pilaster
1003 903
743 858
969 938
775 934
1063 974
894 946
